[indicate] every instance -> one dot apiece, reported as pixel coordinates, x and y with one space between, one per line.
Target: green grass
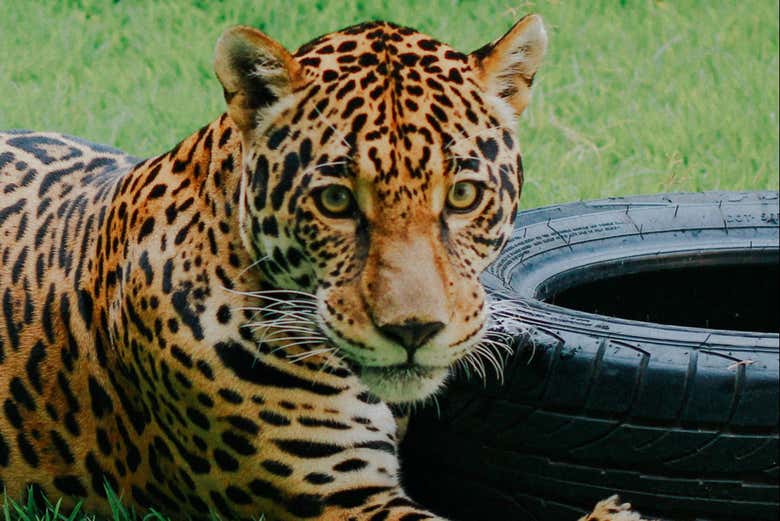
42 509
35 508
634 97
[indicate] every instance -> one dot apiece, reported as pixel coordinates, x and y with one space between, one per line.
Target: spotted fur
195 331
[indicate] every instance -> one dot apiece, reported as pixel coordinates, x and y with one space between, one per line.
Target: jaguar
232 327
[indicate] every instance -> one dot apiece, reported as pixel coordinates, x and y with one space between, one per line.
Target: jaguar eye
464 196
335 201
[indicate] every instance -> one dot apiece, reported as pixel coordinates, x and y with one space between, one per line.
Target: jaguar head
381 173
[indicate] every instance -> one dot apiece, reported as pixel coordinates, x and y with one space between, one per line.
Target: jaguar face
381 174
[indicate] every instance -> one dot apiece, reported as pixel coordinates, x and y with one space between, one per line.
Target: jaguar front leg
611 509
389 505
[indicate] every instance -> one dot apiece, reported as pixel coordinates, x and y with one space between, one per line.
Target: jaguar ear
255 72
508 65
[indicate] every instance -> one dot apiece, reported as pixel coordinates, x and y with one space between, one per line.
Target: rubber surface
680 421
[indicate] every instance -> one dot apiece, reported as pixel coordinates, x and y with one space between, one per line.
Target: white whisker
303 356
267 292
275 328
322 165
290 345
255 263
465 157
341 135
471 136
287 316
280 305
281 324
492 360
283 334
294 338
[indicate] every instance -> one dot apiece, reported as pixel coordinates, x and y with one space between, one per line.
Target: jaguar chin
405 383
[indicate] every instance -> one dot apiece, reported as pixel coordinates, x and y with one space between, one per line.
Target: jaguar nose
411 334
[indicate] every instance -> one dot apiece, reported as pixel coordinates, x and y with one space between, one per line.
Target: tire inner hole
741 297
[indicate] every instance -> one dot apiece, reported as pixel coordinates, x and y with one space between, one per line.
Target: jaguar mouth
406 371
402 383
399 371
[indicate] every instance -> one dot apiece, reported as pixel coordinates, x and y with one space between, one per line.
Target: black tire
681 421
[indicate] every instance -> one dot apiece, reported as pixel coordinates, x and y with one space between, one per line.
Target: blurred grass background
635 96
